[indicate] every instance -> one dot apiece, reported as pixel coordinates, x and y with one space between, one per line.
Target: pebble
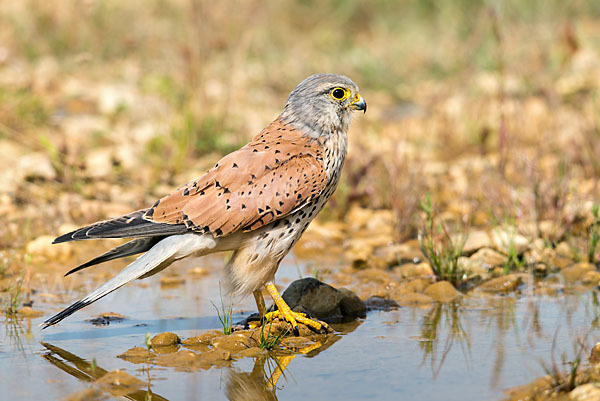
164 339
411 270
507 283
585 392
29 311
476 240
595 354
42 247
379 303
578 272
413 299
137 355
442 291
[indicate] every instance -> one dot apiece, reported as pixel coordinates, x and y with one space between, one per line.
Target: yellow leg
290 316
260 304
282 363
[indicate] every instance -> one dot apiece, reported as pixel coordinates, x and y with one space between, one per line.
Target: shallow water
474 349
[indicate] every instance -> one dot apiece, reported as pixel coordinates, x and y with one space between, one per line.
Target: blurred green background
109 104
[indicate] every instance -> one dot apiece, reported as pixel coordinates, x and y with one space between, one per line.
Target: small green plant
14 300
269 341
513 262
439 248
225 314
566 381
148 342
94 367
594 237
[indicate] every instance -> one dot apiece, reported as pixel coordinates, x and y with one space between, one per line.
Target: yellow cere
340 94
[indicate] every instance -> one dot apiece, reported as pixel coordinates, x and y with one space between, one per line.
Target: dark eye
338 93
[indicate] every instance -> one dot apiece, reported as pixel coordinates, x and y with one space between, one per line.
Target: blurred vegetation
491 106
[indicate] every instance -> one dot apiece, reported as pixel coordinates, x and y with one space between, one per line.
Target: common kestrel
256 201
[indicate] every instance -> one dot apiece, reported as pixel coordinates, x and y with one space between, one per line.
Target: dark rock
323 301
352 305
379 303
107 318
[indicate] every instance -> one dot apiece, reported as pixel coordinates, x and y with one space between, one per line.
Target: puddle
474 349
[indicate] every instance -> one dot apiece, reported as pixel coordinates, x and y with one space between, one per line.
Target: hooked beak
358 103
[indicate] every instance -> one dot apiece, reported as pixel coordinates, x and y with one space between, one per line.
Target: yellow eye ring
339 94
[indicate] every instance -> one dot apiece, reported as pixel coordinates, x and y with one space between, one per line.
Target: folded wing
264 181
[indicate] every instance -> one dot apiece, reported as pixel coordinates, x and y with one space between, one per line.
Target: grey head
322 105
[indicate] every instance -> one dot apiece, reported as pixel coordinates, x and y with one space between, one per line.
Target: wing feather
247 189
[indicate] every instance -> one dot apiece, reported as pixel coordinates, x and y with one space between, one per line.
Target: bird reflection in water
261 383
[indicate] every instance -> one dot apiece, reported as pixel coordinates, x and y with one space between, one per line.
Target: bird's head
322 104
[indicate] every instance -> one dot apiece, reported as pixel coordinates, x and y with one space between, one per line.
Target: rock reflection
116 383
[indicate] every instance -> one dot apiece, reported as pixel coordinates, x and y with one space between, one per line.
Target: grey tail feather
127 226
132 247
161 253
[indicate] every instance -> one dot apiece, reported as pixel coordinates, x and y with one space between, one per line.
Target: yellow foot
283 311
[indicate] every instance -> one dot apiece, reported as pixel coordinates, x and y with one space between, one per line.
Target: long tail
133 247
158 257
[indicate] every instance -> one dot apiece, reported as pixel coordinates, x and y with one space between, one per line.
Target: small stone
183 359
408 252
35 165
375 275
106 318
359 252
591 278
415 285
595 354
410 270
475 241
550 230
507 283
560 262
214 357
164 340
585 392
99 163
137 355
251 352
29 311
204 338
379 303
473 267
507 240
234 342
577 272
413 299
488 258
564 249
442 291
43 247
